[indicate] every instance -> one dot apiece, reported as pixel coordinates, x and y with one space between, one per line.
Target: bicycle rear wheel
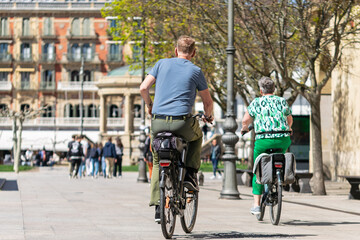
275 208
167 210
190 211
260 216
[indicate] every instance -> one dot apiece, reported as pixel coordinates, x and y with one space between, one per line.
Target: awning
26 70
6 69
37 139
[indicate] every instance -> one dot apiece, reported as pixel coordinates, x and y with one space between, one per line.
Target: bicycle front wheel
275 208
167 210
190 211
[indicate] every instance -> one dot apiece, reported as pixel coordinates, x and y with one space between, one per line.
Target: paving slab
48 205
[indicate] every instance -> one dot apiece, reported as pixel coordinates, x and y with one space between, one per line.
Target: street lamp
229 188
81 74
142 165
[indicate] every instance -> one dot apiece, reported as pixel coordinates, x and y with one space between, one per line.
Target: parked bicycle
275 169
175 197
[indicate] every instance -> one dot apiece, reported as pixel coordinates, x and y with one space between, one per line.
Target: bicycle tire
191 206
167 211
275 208
260 216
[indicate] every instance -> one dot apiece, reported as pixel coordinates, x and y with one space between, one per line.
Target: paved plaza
44 205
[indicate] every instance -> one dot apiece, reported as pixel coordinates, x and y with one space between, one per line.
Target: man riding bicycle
270 114
177 80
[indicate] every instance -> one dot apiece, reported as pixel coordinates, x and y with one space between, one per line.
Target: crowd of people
94 159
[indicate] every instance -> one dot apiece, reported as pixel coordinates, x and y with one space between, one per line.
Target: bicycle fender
162 182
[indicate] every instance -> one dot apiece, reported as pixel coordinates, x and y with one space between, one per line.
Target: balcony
26 58
76 86
25 85
6 37
48 58
53 6
114 57
5 86
5 57
27 37
72 57
47 85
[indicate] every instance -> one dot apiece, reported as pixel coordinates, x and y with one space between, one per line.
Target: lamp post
229 188
81 74
142 164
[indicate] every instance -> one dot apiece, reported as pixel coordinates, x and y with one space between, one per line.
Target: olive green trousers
189 130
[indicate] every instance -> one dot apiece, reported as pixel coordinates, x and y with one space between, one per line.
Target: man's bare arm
246 121
208 102
145 91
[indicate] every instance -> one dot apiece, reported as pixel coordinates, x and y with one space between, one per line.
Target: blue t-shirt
177 80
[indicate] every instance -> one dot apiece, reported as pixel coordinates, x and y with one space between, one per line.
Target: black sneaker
190 182
157 214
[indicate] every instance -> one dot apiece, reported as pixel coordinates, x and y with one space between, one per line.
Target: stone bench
302 183
354 190
241 178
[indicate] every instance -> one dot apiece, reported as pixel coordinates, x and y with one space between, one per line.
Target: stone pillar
128 113
103 116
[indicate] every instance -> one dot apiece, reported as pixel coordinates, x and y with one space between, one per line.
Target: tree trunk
14 128
18 148
317 181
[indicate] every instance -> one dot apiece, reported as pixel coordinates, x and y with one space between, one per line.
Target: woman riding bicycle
270 114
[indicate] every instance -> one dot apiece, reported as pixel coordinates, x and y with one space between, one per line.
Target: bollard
201 178
142 164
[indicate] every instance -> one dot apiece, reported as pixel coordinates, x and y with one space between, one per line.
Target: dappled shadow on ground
233 235
10 185
309 223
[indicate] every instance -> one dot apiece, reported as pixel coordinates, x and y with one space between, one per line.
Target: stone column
103 116
128 113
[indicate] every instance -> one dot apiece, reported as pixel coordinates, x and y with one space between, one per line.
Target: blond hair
185 44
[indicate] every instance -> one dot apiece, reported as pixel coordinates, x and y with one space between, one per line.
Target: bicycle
272 195
175 198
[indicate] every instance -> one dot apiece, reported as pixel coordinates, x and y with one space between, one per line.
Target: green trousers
260 146
187 129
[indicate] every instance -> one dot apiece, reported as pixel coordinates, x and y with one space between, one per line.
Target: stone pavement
48 205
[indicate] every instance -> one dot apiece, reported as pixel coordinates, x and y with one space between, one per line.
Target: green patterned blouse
270 114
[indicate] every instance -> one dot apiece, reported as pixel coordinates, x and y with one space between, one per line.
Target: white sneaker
219 177
212 177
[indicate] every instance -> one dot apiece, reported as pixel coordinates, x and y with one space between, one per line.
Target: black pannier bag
167 145
290 167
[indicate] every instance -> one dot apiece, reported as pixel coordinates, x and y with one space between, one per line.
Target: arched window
75 76
68 110
92 111
24 107
137 112
113 111
76 52
48 112
87 76
77 111
87 51
86 27
75 27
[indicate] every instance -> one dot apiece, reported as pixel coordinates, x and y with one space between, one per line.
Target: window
25 80
76 52
75 27
4 51
47 26
48 112
4 76
75 76
114 27
24 107
87 51
47 79
68 110
48 52
136 52
114 52
87 76
25 51
92 110
4 27
137 112
26 27
113 111
86 27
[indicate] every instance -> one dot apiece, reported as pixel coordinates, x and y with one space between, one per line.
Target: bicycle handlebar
201 115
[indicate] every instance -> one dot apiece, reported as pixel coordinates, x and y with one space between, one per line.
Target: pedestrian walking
85 147
94 157
215 153
102 159
109 155
76 154
148 158
119 150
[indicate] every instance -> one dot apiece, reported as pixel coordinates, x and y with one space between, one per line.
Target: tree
18 119
297 42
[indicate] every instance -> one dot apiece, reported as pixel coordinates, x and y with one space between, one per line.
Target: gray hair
266 85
